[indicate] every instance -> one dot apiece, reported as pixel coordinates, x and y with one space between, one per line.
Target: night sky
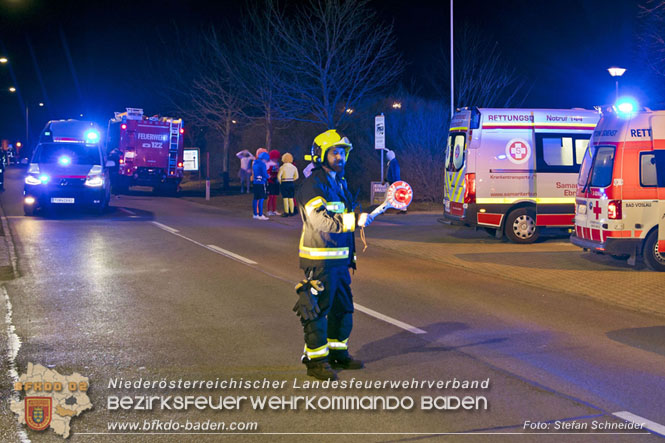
562 48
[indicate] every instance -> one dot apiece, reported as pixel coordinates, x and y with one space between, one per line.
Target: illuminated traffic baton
398 196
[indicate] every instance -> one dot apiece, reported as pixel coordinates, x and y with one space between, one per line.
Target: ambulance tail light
470 188
614 210
123 126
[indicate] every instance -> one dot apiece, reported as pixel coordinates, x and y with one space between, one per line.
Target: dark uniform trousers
329 332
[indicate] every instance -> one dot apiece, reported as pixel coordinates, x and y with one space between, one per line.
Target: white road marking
647 424
390 320
231 254
127 211
13 346
166 228
247 261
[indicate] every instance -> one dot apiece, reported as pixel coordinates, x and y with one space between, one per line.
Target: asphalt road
164 288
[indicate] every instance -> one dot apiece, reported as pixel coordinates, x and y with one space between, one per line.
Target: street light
397 105
3 60
616 72
12 89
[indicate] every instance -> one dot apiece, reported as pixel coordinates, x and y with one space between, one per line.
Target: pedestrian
394 173
393 168
245 171
287 176
273 183
327 251
259 181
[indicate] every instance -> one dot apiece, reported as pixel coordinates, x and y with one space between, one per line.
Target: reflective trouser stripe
319 352
336 345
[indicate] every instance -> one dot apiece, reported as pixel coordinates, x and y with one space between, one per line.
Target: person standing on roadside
327 251
273 183
260 179
286 177
245 171
393 168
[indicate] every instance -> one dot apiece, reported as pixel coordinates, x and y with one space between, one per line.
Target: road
168 289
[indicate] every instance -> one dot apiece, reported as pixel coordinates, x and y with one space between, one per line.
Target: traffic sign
380 132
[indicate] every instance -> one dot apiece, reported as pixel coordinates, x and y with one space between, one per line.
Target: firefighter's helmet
324 141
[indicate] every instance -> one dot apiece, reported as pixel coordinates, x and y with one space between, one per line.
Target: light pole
616 73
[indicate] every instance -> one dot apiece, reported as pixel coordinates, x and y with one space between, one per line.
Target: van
620 200
68 169
513 172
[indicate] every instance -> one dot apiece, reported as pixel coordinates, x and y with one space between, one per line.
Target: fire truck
147 150
620 202
513 172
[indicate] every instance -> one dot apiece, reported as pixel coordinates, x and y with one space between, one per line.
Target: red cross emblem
597 210
518 151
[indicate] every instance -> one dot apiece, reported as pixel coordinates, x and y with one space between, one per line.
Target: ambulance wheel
654 259
521 226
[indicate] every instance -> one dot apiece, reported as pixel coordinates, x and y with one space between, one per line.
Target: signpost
380 138
191 160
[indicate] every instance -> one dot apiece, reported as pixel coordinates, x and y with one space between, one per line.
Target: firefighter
327 251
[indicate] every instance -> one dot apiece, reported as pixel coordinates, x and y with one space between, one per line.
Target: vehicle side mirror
110 164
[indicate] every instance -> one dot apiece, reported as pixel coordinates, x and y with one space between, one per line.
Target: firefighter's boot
343 360
320 369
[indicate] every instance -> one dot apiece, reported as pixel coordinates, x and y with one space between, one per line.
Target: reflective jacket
326 209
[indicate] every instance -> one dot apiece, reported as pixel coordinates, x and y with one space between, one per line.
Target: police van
621 187
514 171
68 169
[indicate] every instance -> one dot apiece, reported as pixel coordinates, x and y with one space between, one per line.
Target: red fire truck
148 151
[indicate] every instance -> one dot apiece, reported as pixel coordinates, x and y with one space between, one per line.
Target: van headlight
95 177
32 180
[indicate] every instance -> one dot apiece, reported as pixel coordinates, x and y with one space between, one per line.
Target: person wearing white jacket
287 176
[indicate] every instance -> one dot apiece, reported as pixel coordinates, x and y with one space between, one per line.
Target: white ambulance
514 171
621 187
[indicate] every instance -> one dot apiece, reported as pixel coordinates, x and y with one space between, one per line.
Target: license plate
62 200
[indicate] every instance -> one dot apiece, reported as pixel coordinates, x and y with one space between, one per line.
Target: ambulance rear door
658 137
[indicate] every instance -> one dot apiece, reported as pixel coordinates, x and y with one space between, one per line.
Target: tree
335 53
482 76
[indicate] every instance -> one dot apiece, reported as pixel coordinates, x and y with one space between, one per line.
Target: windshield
69 153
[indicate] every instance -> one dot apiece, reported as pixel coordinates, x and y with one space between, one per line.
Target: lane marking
127 211
647 424
390 320
166 228
13 346
226 253
247 261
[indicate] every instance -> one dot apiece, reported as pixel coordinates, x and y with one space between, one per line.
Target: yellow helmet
326 140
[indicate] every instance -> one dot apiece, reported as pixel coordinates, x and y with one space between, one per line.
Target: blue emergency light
64 160
626 106
44 178
92 136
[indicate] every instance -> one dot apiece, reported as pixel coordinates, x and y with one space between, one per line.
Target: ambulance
514 171
620 201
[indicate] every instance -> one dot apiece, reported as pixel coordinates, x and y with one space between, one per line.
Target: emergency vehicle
514 171
149 151
621 187
68 168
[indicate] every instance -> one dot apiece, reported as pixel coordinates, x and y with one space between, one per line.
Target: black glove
307 306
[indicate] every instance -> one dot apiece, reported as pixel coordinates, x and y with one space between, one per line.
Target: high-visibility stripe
460 187
489 219
459 128
319 352
338 345
322 253
337 207
314 203
348 222
539 200
457 190
529 125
